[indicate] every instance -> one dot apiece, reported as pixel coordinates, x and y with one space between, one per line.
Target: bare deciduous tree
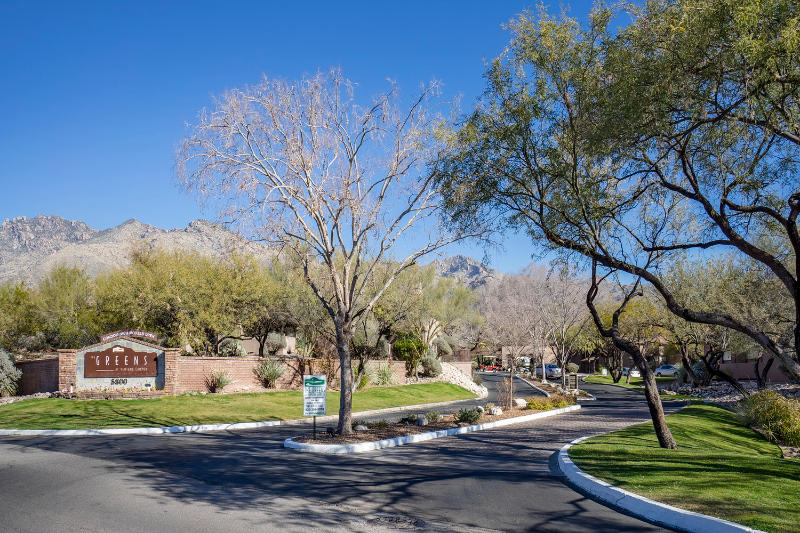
511 308
305 166
566 312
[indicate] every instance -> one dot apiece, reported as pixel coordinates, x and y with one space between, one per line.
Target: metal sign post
314 401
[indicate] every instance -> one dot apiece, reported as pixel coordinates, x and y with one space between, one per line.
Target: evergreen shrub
9 374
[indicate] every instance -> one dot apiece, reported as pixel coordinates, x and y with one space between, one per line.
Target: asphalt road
502 479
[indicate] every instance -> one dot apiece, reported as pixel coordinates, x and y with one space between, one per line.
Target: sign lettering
314 388
129 333
120 361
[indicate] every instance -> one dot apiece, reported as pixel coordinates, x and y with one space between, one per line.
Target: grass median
55 413
638 385
721 468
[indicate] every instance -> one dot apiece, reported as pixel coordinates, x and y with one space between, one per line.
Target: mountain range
31 247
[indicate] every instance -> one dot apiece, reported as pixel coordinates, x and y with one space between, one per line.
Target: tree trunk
343 337
712 360
663 434
261 345
687 365
761 375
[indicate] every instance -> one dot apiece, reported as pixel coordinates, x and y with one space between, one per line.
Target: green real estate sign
314 388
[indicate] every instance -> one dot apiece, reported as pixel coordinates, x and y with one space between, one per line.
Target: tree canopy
676 133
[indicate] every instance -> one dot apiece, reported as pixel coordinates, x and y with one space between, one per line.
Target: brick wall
192 372
38 376
748 371
66 369
465 367
186 373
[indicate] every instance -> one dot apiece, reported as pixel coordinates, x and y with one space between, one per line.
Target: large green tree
677 132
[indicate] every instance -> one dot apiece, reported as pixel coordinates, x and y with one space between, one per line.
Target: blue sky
94 95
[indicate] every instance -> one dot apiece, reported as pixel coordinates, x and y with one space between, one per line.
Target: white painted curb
207 427
420 437
140 431
644 507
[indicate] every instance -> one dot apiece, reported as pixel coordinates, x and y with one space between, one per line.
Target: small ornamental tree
339 183
274 343
9 374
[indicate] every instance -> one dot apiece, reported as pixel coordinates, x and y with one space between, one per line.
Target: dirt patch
402 430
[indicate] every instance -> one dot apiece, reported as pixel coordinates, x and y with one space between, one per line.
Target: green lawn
207 409
636 384
720 469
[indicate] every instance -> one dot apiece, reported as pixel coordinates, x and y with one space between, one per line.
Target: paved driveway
501 479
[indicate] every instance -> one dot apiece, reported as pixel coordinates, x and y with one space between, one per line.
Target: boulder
494 411
360 427
423 421
520 402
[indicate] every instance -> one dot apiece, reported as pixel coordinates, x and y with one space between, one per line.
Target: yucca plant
269 371
218 380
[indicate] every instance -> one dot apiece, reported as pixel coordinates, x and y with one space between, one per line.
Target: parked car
552 371
666 370
633 371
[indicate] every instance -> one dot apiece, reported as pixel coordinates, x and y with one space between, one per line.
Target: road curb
208 427
640 506
546 394
338 449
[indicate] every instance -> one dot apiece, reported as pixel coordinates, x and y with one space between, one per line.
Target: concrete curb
208 427
420 437
546 394
644 507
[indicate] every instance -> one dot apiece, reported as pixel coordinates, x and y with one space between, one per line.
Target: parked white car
553 371
633 371
666 370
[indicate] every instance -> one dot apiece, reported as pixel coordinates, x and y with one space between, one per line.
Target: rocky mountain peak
40 236
466 270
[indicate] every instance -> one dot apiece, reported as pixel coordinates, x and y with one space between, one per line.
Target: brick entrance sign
122 366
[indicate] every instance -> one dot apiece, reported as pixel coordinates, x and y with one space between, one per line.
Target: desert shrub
411 351
777 416
556 401
378 424
443 348
488 405
384 374
269 370
218 380
410 419
434 416
468 416
9 374
573 368
232 348
431 367
274 342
